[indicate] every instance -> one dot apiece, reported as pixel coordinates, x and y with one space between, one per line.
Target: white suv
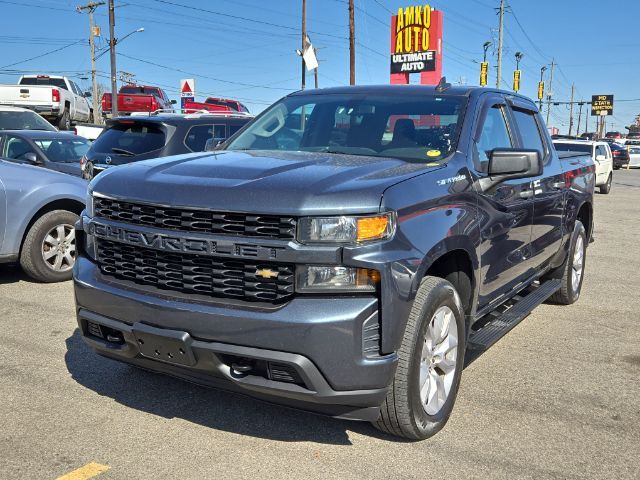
602 158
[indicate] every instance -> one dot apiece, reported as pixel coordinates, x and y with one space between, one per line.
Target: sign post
187 91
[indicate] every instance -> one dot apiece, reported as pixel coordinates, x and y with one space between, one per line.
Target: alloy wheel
59 248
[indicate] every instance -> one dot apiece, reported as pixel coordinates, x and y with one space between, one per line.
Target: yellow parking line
90 470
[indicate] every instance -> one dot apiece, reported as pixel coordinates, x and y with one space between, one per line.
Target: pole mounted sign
416 44
187 90
516 80
484 71
540 90
601 105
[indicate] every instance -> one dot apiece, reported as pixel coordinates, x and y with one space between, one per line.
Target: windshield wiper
122 151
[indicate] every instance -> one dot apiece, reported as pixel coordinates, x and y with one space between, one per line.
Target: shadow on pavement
12 274
169 397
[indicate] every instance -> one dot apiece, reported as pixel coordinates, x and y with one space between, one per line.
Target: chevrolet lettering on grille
181 244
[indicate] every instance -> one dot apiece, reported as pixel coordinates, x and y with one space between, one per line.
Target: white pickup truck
601 154
58 99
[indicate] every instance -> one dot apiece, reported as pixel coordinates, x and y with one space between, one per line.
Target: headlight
320 278
346 229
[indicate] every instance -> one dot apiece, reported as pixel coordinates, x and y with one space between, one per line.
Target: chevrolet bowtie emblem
266 273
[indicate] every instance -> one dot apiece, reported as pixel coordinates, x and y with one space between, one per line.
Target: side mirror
600 158
173 102
87 94
31 158
510 163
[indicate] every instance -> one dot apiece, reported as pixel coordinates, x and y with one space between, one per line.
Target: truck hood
289 183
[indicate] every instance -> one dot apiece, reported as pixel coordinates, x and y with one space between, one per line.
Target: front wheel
430 363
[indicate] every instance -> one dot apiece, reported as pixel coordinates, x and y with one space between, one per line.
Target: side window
74 88
200 135
494 134
529 131
15 148
600 150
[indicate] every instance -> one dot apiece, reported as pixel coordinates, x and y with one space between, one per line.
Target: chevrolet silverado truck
213 104
134 99
343 253
56 98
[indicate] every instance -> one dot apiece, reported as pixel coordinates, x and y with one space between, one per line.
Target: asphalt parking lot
558 397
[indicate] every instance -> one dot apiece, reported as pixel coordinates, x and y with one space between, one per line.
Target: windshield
24 121
51 82
573 147
419 128
63 150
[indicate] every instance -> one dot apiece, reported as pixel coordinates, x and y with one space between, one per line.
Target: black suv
130 139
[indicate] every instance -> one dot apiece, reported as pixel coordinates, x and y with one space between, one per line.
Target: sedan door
505 210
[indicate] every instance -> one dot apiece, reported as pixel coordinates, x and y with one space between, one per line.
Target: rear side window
234 128
133 139
197 136
600 150
529 131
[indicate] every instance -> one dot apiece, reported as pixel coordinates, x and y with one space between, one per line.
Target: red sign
416 45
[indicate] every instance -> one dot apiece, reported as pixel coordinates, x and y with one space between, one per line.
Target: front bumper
319 339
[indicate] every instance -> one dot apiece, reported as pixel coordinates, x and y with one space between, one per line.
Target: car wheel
64 122
430 362
49 249
606 188
572 269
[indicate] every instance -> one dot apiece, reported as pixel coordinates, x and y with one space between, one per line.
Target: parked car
214 104
36 227
130 139
138 98
15 118
56 98
345 265
589 136
60 151
616 135
620 155
88 130
600 153
634 157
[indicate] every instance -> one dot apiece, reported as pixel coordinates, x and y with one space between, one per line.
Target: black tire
616 168
31 255
64 122
567 294
606 188
403 413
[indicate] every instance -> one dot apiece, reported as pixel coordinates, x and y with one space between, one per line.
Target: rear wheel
606 188
64 122
430 362
49 249
572 271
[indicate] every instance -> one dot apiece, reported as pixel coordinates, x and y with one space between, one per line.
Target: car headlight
323 278
346 229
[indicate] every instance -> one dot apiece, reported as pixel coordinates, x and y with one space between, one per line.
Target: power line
43 54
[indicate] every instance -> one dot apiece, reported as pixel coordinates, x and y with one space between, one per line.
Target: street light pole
485 47
112 47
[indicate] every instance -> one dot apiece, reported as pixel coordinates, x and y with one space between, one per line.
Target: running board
502 320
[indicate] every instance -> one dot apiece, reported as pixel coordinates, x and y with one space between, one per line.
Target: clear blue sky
245 48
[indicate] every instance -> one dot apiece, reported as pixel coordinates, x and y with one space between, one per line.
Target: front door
505 210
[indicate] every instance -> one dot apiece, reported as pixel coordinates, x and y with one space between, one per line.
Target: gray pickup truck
342 253
38 210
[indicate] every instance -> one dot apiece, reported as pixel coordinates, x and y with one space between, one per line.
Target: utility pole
571 110
549 90
500 38
304 42
352 45
580 104
90 7
112 48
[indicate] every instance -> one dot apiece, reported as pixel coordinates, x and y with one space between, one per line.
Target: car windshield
63 150
23 121
572 147
417 128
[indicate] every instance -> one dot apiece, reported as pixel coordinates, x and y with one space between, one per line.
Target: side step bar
498 323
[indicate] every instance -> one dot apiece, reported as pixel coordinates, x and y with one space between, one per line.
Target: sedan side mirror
511 163
173 102
31 158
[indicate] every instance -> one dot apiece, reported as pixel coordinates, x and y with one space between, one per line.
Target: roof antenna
442 85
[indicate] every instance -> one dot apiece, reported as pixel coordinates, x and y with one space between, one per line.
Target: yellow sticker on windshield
433 153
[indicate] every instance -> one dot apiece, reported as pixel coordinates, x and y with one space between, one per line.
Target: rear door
548 189
506 210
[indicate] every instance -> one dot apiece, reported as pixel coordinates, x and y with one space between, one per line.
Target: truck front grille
197 274
201 221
